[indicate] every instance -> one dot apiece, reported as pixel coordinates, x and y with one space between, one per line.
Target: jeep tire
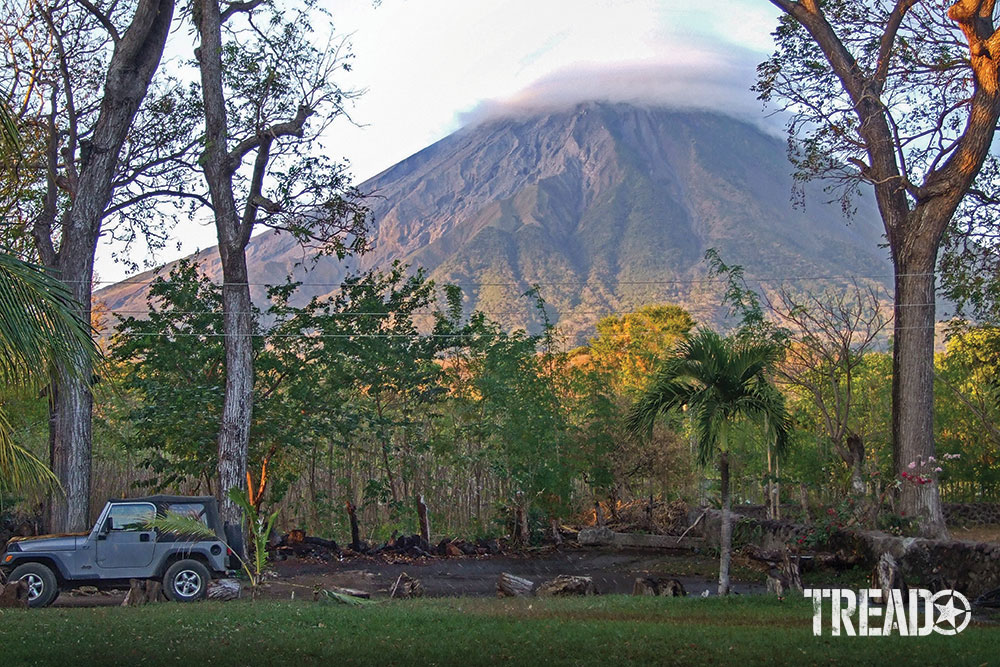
43 588
186 581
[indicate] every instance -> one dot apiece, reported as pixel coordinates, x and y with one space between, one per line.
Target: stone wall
969 567
972 514
957 514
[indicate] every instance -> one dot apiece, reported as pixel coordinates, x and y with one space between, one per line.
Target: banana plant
260 528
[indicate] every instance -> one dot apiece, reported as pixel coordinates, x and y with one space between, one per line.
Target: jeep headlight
13 546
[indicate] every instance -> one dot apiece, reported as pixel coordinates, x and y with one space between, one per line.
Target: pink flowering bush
922 471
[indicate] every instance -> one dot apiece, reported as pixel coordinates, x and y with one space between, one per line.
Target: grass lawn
607 630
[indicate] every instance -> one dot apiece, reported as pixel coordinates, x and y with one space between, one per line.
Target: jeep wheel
42 585
186 581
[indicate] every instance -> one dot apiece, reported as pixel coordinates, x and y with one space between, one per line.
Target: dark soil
614 572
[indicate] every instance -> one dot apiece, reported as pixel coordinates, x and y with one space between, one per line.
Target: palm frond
39 325
329 596
719 379
179 525
20 470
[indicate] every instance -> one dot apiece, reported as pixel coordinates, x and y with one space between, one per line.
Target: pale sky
428 67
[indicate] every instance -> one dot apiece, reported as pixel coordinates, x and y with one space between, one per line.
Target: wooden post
425 524
355 536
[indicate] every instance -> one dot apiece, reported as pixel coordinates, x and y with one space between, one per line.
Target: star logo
956 613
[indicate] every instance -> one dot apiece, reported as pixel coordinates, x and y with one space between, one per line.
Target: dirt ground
613 571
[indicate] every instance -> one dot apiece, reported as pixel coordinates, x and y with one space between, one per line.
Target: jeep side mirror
106 528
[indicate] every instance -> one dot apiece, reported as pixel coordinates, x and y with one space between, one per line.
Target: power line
415 335
530 283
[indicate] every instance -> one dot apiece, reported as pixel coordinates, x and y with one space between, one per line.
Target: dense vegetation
385 392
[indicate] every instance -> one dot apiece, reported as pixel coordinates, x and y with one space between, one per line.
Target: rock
566 585
596 536
452 550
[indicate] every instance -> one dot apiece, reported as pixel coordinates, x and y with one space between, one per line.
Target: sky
429 67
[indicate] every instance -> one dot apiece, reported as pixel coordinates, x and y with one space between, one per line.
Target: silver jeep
119 547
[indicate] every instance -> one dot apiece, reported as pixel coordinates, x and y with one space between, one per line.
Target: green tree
719 382
268 91
902 97
629 346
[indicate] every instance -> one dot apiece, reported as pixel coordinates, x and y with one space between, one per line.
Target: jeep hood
58 542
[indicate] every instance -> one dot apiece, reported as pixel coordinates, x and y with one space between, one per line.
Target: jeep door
125 540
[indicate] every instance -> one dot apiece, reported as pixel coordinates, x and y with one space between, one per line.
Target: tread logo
917 613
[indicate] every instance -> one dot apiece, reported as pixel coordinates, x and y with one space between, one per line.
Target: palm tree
38 330
720 381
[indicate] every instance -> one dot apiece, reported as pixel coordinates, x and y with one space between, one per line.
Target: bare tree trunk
913 383
132 65
726 536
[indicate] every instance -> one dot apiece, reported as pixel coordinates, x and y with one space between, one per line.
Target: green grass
463 631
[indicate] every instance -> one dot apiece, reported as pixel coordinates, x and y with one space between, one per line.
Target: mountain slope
605 206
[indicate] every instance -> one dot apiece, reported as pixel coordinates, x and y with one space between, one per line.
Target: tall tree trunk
913 381
726 536
237 406
233 235
130 70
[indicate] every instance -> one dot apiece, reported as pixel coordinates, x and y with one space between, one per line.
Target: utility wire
529 283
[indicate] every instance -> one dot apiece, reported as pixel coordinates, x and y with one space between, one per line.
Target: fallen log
658 586
510 586
566 585
224 590
14 595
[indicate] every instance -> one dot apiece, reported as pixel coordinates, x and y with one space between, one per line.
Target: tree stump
566 585
14 595
509 586
406 587
886 576
143 591
224 590
658 586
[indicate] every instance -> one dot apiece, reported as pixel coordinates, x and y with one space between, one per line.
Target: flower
938 469
913 464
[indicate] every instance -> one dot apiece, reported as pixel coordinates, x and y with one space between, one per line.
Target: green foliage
40 330
260 530
629 347
717 381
